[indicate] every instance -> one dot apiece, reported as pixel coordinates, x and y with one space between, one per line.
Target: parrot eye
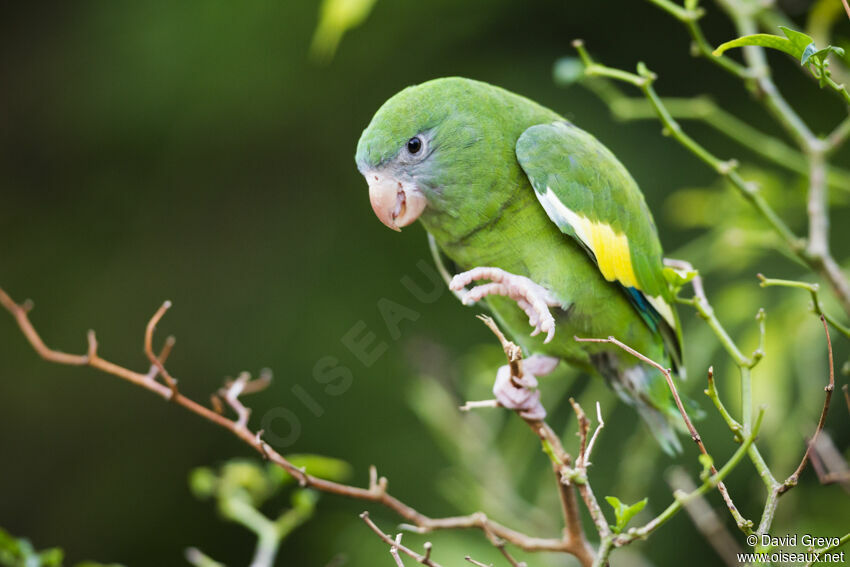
414 145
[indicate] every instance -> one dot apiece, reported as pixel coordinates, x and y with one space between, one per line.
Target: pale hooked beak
395 203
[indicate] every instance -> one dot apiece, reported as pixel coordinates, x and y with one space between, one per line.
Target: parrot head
434 152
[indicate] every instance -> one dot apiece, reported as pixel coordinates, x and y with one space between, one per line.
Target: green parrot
518 197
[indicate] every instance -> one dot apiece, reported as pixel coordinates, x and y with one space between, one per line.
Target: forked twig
374 493
695 436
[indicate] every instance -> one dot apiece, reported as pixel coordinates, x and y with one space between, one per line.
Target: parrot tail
646 390
660 427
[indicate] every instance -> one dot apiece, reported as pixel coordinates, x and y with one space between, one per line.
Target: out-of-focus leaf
202 482
305 499
316 465
568 70
249 476
707 462
335 18
624 513
19 552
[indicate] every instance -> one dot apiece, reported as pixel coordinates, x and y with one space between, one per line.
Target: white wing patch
611 249
663 309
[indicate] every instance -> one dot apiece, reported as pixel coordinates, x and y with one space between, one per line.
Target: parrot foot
521 394
531 297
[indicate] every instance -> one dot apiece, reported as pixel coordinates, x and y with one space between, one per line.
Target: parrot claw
531 297
521 394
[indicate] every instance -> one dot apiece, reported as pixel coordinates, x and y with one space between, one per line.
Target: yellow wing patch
610 248
612 252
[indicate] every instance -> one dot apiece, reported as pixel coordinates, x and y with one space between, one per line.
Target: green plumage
490 159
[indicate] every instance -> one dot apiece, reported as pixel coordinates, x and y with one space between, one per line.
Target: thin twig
155 360
683 499
573 531
791 481
579 474
742 522
396 544
377 493
818 259
394 551
813 290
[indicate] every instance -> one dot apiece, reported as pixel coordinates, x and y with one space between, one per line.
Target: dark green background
193 152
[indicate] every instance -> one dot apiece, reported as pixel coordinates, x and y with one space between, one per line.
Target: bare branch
394 551
395 544
695 436
792 480
573 531
155 361
376 492
579 474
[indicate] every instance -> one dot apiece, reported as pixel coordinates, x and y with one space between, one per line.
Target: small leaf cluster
796 44
624 513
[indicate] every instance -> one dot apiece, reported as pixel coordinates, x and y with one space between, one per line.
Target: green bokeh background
194 152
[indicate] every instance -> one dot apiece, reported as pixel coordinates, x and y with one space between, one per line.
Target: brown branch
574 535
394 551
155 360
792 480
695 436
395 544
376 492
579 475
846 395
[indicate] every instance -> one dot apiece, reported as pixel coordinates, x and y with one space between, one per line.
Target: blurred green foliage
242 488
19 552
198 153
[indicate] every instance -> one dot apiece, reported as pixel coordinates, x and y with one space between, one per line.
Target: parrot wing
591 197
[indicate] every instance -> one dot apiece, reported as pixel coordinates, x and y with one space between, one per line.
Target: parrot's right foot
531 297
521 394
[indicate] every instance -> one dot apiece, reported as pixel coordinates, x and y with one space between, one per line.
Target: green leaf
821 54
808 52
624 513
762 40
803 43
677 277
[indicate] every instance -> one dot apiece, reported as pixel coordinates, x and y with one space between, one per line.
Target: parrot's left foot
521 394
531 297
